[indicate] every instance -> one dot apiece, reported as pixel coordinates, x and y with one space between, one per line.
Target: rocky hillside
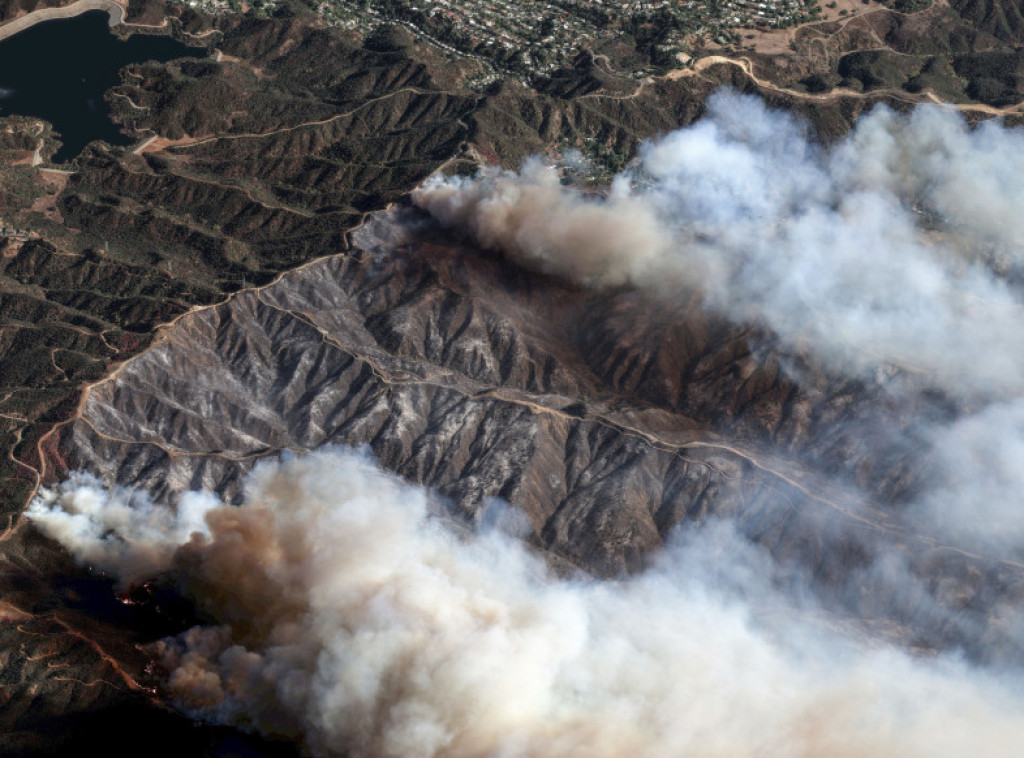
606 418
223 239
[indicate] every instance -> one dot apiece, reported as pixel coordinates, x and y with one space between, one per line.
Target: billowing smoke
976 468
122 532
896 251
892 247
540 224
345 616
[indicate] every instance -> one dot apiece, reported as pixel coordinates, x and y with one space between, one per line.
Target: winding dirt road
927 95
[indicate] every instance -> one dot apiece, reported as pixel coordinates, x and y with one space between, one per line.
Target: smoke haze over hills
342 614
900 246
828 247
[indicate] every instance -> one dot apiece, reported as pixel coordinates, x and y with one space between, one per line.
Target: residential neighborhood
531 38
535 36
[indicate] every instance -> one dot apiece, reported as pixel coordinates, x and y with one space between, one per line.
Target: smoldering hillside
342 615
894 247
768 390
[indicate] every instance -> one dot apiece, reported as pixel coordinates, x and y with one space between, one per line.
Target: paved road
20 24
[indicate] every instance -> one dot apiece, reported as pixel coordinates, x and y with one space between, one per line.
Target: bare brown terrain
925 95
607 419
958 52
220 252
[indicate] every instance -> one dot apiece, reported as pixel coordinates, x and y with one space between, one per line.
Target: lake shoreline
60 71
116 11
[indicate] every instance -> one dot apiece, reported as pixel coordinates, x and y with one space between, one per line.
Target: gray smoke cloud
888 248
347 617
976 467
894 252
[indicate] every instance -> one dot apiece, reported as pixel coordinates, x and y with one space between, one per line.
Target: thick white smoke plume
121 532
900 246
345 616
890 248
348 618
